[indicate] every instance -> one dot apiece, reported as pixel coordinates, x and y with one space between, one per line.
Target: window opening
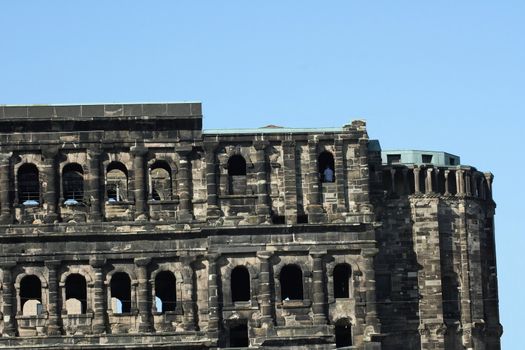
73 183
120 293
165 290
291 279
426 158
31 295
240 284
343 334
28 185
326 166
239 334
160 175
76 294
237 174
116 182
342 273
393 158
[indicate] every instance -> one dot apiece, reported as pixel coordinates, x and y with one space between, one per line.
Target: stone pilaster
447 183
340 179
213 211
265 292
49 186
139 168
183 182
468 183
144 324
188 304
94 185
428 181
53 327
393 180
5 205
425 231
319 297
260 164
460 184
8 299
213 296
99 303
315 209
372 324
290 182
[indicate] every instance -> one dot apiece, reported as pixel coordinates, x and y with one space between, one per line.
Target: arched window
31 295
28 184
116 182
160 177
165 290
120 293
237 174
76 294
73 183
342 273
240 284
291 279
343 333
326 166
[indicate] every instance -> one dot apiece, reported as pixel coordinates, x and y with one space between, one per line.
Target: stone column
94 192
428 181
263 207
393 180
468 184
142 294
141 205
183 183
8 299
99 304
188 304
213 296
459 182
318 300
489 178
213 211
52 323
49 187
447 192
265 292
315 209
290 182
417 186
5 205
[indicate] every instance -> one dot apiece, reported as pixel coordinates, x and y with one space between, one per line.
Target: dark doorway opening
240 284
291 279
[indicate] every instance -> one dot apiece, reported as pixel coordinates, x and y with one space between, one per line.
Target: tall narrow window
165 290
160 174
326 167
343 333
342 273
237 174
120 293
76 294
28 184
240 284
31 295
73 183
116 182
291 280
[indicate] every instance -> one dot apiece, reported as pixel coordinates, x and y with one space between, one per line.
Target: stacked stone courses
126 226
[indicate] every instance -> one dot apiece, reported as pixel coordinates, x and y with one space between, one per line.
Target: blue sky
439 75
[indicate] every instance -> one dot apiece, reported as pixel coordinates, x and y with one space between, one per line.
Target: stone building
127 226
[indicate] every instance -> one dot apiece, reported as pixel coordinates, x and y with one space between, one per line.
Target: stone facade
127 226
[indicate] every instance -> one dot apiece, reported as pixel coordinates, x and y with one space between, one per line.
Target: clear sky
438 75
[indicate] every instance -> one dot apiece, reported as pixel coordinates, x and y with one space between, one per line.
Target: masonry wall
107 209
